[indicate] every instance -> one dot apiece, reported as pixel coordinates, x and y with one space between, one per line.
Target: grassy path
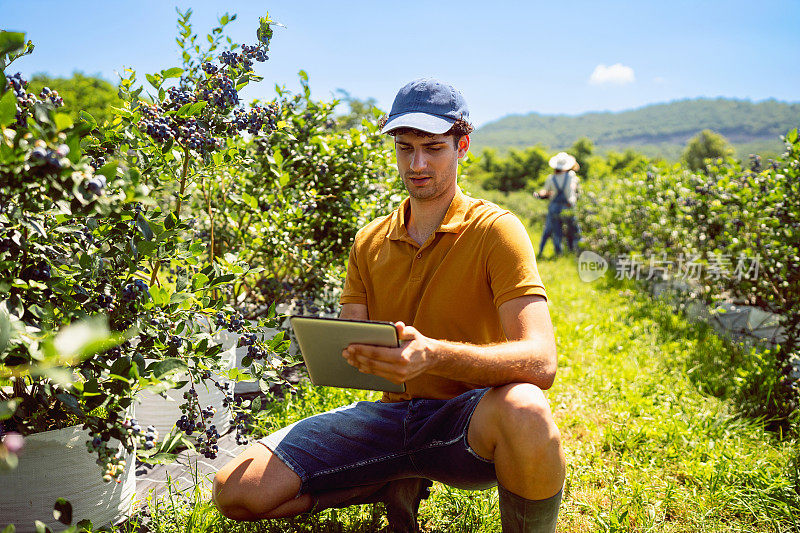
646 450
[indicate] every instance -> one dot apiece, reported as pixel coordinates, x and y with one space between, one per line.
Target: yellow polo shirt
450 287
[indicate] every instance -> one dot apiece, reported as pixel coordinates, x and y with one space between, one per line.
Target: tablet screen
322 341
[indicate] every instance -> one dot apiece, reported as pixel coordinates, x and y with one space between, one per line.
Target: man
458 277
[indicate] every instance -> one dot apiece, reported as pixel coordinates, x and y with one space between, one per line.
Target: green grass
648 448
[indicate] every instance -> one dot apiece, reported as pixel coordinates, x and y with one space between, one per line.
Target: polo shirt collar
452 222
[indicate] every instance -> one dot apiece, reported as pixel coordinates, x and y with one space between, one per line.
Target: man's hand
413 357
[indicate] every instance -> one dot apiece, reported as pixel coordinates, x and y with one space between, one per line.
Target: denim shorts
370 442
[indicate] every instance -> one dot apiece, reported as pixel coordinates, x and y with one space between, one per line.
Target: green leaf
63 121
7 408
199 281
109 170
144 227
82 339
791 137
250 200
170 220
222 279
5 328
88 119
11 41
182 281
122 367
159 295
71 403
184 110
146 248
157 459
10 528
197 107
174 72
154 79
167 367
179 297
8 108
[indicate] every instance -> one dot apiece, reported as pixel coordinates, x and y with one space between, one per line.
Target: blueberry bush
102 226
738 227
304 192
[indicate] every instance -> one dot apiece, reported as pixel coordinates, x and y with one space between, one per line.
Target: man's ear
463 146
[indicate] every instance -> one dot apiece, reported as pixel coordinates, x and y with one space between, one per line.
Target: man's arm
354 311
529 355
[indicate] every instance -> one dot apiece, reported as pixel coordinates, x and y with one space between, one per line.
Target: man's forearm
524 361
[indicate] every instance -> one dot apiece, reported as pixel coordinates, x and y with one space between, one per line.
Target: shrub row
732 233
125 245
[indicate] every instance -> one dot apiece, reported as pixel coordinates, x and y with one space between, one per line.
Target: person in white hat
561 188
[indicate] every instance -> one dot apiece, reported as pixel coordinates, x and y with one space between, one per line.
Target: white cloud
617 74
659 80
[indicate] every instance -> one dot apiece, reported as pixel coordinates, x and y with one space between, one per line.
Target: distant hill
656 130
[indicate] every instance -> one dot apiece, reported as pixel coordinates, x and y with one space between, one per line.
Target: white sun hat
562 161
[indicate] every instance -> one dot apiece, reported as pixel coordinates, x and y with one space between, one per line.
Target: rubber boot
401 498
518 515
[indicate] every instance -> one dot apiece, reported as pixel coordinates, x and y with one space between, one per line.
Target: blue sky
565 57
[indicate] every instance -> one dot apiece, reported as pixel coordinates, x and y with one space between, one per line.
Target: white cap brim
419 121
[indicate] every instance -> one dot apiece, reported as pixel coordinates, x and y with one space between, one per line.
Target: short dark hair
459 128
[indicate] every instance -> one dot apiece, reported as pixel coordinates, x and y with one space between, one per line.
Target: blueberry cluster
188 132
207 442
196 137
229 400
155 124
176 341
36 272
241 420
180 98
257 52
7 244
112 354
105 301
256 118
220 91
98 162
229 58
53 96
50 159
189 423
147 439
26 100
133 291
110 460
210 68
235 324
253 349
96 184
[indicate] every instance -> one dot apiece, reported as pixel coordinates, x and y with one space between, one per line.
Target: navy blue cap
428 105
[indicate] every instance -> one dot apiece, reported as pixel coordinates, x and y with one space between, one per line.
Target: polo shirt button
419 256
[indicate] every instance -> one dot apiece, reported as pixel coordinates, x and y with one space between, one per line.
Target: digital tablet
322 341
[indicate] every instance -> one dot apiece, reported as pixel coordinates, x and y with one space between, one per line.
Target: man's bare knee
508 411
255 485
